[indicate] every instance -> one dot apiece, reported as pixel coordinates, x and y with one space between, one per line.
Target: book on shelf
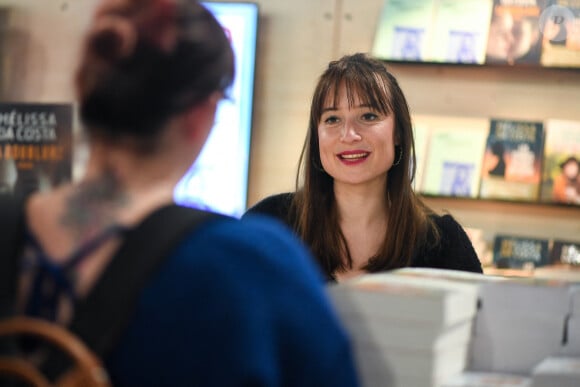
513 251
487 379
460 31
445 31
557 371
514 32
421 139
35 146
561 162
560 27
454 155
403 30
406 331
565 252
512 161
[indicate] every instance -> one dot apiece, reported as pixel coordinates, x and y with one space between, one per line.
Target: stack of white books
406 331
520 322
487 379
557 372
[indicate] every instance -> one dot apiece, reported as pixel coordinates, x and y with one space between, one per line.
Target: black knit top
454 252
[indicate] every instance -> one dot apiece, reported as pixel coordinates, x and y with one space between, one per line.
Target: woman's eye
369 117
330 120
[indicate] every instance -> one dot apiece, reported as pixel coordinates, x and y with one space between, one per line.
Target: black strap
11 243
101 318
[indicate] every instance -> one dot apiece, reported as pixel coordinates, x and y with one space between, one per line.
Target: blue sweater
238 303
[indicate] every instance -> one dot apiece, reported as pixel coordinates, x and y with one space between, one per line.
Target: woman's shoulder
446 223
454 250
277 206
272 203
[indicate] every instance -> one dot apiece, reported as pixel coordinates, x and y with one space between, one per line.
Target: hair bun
112 38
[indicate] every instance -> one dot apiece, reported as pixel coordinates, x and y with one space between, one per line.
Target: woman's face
356 144
570 170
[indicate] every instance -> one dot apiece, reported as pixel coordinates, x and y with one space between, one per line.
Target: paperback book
460 31
517 252
512 160
561 162
406 331
454 156
35 146
514 32
404 30
421 138
565 253
560 27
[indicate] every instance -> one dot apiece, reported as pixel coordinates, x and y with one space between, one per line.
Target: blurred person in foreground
235 303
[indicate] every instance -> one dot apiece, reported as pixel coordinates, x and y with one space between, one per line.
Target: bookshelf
519 92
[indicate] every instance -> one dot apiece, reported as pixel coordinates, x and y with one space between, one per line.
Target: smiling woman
354 203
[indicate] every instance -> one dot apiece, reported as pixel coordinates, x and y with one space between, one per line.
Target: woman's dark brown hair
409 225
143 61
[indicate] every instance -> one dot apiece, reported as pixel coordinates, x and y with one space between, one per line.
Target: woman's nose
350 133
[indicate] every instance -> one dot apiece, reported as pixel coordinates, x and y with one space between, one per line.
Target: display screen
218 180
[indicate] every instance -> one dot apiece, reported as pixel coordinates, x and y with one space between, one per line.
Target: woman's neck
361 206
363 222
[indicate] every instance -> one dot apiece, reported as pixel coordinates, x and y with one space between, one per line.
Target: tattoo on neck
93 206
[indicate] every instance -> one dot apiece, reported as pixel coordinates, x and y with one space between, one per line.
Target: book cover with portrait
560 27
404 30
561 165
517 252
35 146
454 155
460 31
514 32
512 161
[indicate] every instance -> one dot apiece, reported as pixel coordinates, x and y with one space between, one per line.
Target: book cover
421 139
404 30
561 162
35 146
454 156
460 31
560 27
512 160
514 32
511 251
565 253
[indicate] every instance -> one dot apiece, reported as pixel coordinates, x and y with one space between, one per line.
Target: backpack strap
12 222
101 318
